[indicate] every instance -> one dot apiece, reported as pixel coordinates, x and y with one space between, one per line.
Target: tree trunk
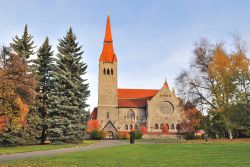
43 135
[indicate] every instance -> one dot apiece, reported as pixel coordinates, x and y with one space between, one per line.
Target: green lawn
17 149
150 155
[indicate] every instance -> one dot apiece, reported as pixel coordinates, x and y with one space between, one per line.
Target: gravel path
101 144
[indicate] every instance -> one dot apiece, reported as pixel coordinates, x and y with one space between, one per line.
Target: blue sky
152 39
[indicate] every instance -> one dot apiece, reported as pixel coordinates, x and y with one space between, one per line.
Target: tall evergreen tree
44 66
23 46
69 93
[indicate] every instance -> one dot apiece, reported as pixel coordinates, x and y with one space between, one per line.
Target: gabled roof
113 126
93 114
136 93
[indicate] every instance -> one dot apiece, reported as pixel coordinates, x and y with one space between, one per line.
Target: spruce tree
23 46
44 66
69 93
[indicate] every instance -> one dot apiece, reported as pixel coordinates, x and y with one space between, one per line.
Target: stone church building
123 109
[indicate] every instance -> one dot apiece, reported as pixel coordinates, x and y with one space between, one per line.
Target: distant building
121 109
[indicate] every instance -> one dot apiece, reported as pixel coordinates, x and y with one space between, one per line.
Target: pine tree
44 66
23 46
69 93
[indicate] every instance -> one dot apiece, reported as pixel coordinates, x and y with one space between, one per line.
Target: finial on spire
108 35
165 84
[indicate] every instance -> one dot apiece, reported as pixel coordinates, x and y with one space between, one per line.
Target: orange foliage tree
192 119
143 129
16 89
93 125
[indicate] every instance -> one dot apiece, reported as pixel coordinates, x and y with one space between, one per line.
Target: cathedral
124 109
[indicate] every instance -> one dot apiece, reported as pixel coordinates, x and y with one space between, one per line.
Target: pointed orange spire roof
108 54
165 85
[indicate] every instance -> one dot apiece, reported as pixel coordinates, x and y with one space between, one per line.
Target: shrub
143 129
189 135
122 135
138 134
97 135
93 125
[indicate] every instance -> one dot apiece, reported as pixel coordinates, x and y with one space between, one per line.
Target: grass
150 155
18 149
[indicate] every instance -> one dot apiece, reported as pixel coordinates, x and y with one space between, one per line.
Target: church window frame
131 127
108 71
156 126
172 126
131 115
126 127
167 126
111 71
104 71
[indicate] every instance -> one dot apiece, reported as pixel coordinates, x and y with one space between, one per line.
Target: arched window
111 71
136 127
156 126
172 126
131 127
167 126
108 71
131 115
178 126
104 71
126 127
161 126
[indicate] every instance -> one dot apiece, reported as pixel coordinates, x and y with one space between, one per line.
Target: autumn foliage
16 90
93 125
192 119
143 129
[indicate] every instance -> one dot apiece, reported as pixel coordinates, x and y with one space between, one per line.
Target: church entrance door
110 135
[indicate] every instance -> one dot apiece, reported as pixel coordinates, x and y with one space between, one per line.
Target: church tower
107 88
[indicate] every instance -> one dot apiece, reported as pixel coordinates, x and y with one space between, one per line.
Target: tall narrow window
126 127
167 126
108 71
111 71
172 126
156 126
107 115
131 127
104 71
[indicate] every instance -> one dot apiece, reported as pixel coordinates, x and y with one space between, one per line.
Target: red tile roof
93 114
136 93
141 103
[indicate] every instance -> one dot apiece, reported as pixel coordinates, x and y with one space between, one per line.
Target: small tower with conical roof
107 88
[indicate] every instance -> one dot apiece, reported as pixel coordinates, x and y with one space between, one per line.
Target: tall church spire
108 54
